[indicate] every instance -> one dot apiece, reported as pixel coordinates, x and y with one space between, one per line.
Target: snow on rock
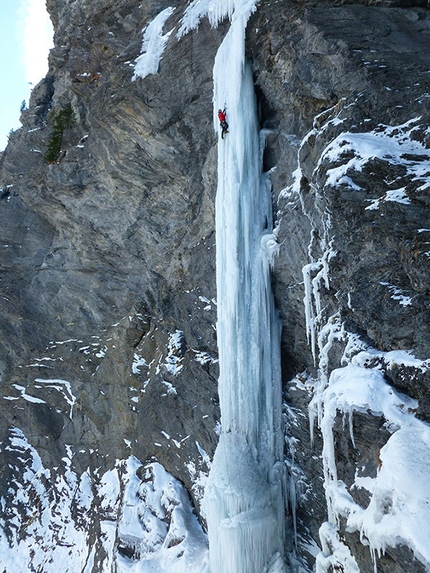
153 45
203 358
55 520
38 529
397 294
396 195
365 356
62 386
138 362
350 152
335 555
175 353
158 525
199 478
26 396
399 508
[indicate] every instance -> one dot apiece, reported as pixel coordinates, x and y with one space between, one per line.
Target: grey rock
108 254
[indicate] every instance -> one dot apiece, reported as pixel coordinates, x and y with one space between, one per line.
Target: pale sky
25 39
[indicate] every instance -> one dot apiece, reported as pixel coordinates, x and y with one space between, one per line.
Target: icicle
312 299
333 330
335 555
309 311
291 492
351 426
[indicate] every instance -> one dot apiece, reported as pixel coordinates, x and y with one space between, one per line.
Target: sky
25 39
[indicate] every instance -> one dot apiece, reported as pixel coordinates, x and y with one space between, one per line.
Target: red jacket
221 115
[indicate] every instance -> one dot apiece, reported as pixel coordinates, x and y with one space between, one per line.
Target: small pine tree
23 106
64 119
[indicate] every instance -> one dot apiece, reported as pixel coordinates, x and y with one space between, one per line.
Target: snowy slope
131 518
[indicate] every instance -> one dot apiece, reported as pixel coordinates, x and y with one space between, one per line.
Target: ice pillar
243 501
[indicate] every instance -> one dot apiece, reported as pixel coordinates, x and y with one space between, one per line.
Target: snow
203 358
170 388
153 45
26 396
161 527
102 352
397 294
395 195
335 555
174 356
199 475
108 491
51 519
138 362
399 508
62 386
52 542
368 356
389 143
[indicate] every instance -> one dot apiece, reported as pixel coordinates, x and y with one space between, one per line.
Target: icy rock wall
362 382
88 296
370 501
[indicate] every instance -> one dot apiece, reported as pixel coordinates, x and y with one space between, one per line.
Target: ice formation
243 501
397 511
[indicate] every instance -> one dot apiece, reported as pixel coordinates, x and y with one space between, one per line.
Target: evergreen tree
64 119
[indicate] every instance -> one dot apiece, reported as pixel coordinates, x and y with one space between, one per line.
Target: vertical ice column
243 501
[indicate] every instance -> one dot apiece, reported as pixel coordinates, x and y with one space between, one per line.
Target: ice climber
222 121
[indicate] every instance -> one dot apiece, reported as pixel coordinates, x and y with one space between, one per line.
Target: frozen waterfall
243 501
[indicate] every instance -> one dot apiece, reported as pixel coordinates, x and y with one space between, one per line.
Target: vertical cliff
108 350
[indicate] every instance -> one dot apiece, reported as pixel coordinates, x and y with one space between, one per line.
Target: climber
222 122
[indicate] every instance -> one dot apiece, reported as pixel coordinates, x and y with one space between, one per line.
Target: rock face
108 294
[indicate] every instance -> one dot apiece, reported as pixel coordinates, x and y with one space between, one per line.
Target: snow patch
26 396
138 362
396 195
153 45
397 294
335 555
399 508
388 143
62 386
158 526
175 353
203 358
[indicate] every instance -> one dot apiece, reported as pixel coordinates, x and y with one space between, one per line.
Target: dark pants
224 127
